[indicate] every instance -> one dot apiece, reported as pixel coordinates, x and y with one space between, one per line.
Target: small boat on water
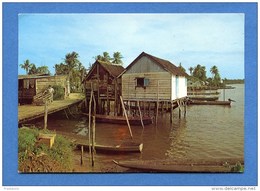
219 165
121 119
124 147
203 93
201 102
204 98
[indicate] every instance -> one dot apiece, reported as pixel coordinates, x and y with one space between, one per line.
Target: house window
142 82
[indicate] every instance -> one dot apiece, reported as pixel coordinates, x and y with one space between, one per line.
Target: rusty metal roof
165 64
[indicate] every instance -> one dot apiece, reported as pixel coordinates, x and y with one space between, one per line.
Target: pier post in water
45 114
82 152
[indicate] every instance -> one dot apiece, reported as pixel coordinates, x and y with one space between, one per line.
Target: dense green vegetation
59 92
198 74
38 157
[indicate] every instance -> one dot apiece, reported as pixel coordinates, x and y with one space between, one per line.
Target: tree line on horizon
198 73
76 72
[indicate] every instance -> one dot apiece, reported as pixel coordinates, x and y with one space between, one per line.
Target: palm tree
43 70
26 65
200 72
106 57
61 69
71 60
214 70
33 70
117 58
215 75
191 70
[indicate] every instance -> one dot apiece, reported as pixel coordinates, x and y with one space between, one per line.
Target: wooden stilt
185 108
93 132
179 109
93 141
129 108
82 152
171 114
89 124
157 103
157 108
149 109
141 118
46 114
144 108
135 110
126 117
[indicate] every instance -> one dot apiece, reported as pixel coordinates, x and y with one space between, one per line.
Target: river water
206 132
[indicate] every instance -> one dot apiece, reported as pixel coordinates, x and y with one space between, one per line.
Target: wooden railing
41 98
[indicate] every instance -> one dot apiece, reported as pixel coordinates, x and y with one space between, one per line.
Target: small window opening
142 82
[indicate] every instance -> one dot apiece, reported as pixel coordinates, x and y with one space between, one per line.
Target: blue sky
205 39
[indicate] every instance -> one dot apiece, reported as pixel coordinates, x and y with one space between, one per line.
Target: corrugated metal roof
165 64
112 69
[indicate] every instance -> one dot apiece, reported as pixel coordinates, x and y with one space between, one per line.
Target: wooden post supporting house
45 114
171 114
140 114
126 117
89 126
93 132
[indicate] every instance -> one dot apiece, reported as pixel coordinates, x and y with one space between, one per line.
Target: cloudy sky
189 39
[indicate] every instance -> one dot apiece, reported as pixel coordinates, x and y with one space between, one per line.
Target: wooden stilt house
152 78
103 79
31 85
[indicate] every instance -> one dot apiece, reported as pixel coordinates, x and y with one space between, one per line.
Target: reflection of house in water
106 86
30 85
152 78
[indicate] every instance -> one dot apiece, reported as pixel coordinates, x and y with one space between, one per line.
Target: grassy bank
38 157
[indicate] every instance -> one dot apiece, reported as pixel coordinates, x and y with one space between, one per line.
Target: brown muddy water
207 132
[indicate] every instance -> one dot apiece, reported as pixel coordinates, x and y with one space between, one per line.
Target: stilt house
152 78
102 78
31 85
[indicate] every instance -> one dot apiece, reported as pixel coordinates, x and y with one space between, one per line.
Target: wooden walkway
30 112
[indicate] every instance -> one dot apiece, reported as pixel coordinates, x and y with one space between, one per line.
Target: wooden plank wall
43 83
130 91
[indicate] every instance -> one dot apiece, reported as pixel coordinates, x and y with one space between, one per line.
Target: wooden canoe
199 102
203 98
122 120
198 166
126 147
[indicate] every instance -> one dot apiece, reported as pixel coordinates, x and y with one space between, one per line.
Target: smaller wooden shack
103 79
31 85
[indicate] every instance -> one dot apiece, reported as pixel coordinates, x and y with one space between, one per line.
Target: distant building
30 85
152 78
102 78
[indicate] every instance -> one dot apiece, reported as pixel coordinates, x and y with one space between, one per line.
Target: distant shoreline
234 81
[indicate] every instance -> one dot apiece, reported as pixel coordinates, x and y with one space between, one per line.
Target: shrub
59 92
